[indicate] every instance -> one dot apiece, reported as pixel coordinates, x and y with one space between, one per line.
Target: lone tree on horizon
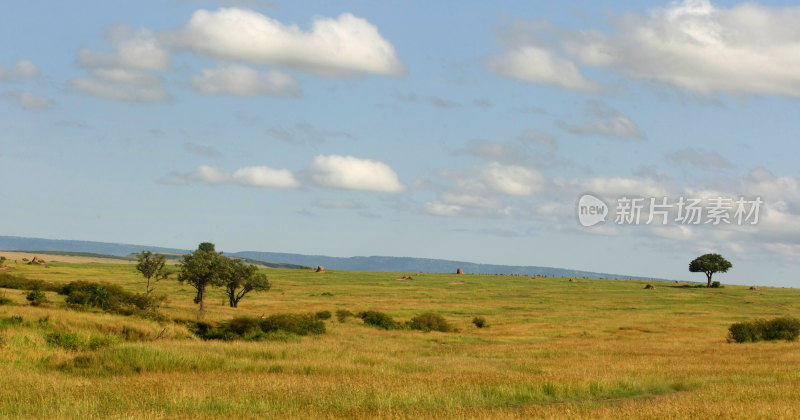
153 267
201 268
710 264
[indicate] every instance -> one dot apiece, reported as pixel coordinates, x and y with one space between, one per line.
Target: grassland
554 348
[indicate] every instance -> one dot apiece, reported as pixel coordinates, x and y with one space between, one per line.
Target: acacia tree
153 267
710 264
201 268
240 279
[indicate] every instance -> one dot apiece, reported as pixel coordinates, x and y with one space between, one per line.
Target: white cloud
606 122
264 176
698 158
240 80
538 65
341 46
28 100
22 69
348 172
694 45
121 84
614 187
138 49
441 209
127 74
250 176
513 180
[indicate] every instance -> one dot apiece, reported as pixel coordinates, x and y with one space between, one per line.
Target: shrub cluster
343 314
9 281
323 315
426 322
479 322
4 300
108 297
278 326
75 342
716 284
430 322
36 297
784 328
379 320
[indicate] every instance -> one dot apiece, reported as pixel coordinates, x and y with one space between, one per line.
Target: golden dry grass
554 349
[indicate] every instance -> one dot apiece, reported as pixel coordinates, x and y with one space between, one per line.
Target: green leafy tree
710 264
201 268
240 279
153 267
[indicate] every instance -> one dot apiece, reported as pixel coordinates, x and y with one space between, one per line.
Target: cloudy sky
460 130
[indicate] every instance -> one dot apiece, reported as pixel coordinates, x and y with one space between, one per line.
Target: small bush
9 281
430 322
379 320
12 320
479 322
323 315
716 284
109 298
744 332
784 328
343 314
75 342
293 323
280 327
5 301
36 297
66 340
326 294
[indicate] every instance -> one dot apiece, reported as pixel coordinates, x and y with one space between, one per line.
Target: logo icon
591 210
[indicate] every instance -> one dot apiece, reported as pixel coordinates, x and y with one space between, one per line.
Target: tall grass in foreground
555 349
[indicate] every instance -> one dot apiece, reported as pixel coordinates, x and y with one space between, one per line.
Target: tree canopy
710 264
153 267
201 268
240 279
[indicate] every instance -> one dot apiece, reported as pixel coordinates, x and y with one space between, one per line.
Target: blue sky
458 130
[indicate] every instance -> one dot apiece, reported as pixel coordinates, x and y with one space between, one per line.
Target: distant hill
284 260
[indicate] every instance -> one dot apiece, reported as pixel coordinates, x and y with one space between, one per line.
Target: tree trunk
200 299
709 279
148 287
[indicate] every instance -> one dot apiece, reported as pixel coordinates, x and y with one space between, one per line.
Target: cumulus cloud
251 176
134 49
441 209
694 45
22 69
606 121
614 186
698 158
351 173
345 45
28 100
132 85
238 80
533 64
513 180
504 152
128 73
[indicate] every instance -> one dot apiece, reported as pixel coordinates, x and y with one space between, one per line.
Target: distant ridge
373 263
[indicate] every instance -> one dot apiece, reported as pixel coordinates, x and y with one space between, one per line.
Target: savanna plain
550 348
